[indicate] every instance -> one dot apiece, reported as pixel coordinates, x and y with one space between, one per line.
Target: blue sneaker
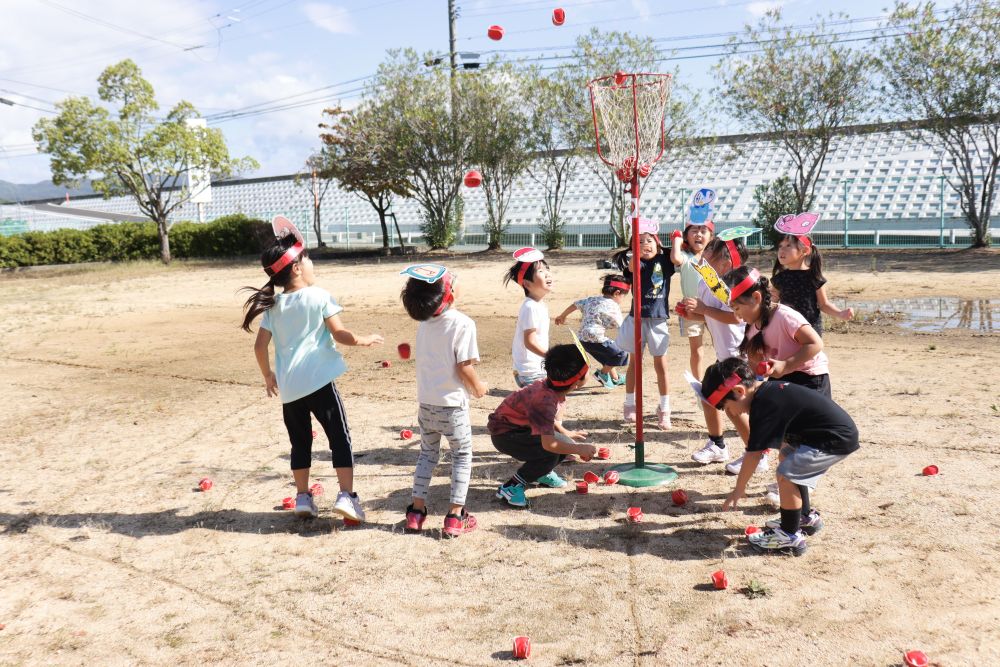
605 380
514 495
552 480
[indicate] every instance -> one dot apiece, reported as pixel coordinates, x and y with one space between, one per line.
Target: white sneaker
305 506
733 467
774 499
772 487
711 453
349 507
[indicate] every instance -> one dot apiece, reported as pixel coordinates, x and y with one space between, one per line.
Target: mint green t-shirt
689 275
305 354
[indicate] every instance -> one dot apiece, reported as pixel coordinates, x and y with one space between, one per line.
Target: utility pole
452 15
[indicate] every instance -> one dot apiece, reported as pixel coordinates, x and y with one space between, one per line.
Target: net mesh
620 104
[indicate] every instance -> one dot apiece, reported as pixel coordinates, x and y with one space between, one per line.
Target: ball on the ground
406 434
386 363
404 350
205 483
679 497
522 648
719 580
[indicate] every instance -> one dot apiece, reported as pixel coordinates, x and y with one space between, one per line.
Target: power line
113 26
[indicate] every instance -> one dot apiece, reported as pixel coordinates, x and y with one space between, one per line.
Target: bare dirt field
128 383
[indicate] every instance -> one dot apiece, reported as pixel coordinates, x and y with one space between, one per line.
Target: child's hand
846 314
370 340
480 389
693 305
586 452
777 368
734 497
577 435
560 320
271 384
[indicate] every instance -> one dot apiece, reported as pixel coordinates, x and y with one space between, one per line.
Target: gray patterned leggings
454 424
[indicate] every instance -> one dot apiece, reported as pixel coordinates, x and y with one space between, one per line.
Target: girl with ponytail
304 322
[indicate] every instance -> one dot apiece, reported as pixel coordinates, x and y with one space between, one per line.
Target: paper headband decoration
797 225
738 233
527 257
431 273
701 207
582 373
282 227
713 282
648 226
745 284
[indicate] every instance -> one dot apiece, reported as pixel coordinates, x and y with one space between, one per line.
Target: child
818 432
599 313
446 354
656 270
304 322
531 335
798 278
528 425
727 334
686 253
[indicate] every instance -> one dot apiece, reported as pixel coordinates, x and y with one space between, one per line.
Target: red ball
590 477
288 503
620 77
406 434
522 648
582 487
679 497
611 477
751 530
604 453
644 170
558 16
930 470
634 514
386 363
915 659
404 350
719 580
495 33
473 179
316 489
205 483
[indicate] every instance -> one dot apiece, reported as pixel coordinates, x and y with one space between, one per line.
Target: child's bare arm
552 444
531 342
696 306
750 461
467 374
561 318
829 308
676 255
811 344
346 337
264 361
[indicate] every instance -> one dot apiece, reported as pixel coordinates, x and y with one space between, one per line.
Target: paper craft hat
527 257
797 224
431 273
282 227
701 208
738 233
648 226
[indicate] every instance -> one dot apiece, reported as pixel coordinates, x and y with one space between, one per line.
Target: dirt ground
128 383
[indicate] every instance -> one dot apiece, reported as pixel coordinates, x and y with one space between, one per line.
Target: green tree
499 124
773 200
416 110
800 86
947 72
602 53
133 153
359 151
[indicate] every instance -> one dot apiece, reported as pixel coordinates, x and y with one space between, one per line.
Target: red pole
637 322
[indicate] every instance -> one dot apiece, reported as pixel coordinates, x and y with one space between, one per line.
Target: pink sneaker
628 413
662 420
415 519
459 525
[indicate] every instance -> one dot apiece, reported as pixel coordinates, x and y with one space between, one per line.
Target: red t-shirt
536 406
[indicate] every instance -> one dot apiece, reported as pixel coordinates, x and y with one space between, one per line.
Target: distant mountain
14 192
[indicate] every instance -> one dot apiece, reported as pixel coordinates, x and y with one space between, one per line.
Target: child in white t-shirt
446 355
599 314
531 334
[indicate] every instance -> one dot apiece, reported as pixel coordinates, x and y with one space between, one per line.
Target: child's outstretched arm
811 344
553 444
470 378
346 337
264 361
676 241
750 461
698 307
561 318
829 308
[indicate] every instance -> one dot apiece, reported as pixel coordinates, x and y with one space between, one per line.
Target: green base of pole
650 474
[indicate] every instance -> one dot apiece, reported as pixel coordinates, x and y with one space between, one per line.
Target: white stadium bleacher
876 188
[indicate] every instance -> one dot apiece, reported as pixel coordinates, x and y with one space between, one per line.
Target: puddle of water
937 314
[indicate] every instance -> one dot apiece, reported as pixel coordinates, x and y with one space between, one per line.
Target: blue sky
261 54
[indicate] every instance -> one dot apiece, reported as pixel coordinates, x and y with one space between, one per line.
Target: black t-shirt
655 277
798 291
786 412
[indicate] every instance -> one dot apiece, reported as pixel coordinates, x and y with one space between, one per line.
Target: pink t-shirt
780 343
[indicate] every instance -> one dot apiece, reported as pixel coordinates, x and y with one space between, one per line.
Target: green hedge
229 236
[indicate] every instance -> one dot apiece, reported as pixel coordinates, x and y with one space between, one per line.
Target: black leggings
325 403
523 446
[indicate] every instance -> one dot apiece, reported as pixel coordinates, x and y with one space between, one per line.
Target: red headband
287 258
723 389
744 285
571 381
620 285
734 254
523 270
447 297
804 240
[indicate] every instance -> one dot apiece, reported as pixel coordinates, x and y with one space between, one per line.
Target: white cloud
761 8
641 7
329 17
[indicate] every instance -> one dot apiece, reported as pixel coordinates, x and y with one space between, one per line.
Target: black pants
524 446
820 383
325 403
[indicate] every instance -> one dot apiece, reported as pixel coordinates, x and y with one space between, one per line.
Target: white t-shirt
725 337
305 354
533 315
442 343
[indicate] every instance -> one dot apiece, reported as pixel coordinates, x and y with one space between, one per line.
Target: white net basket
628 112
